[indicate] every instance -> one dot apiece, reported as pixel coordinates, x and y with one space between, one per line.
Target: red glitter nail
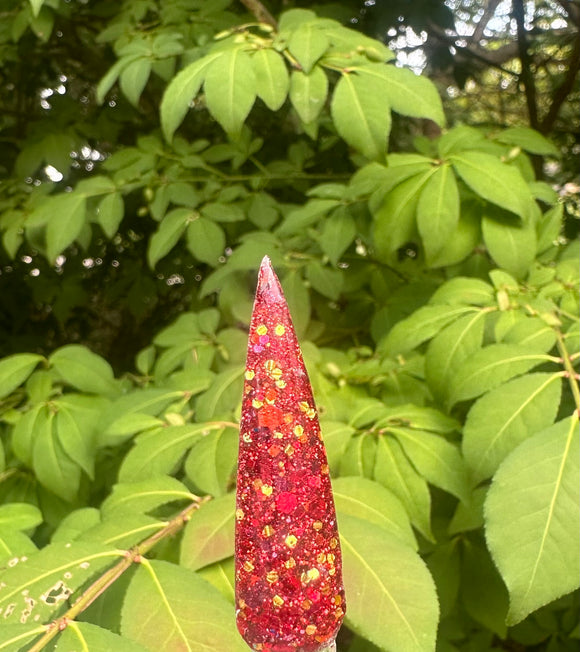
289 591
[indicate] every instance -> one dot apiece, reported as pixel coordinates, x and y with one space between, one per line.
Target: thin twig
102 583
570 371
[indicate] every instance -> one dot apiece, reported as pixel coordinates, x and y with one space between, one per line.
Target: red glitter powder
286 502
289 591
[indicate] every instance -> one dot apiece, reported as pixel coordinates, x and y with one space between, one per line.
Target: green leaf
438 211
466 238
529 140
381 571
436 459
336 438
19 516
272 81
361 114
459 139
181 91
222 397
128 425
13 637
123 530
292 19
450 348
111 76
298 299
145 496
381 180
501 419
15 369
110 213
407 93
394 471
464 290
42 24
183 331
209 535
371 502
25 430
443 564
76 439
497 182
307 44
308 93
126 415
85 636
66 222
158 451
338 233
133 79
36 6
39 386
221 575
171 608
417 418
211 461
83 369
168 233
469 516
532 519
298 219
512 245
263 210
489 368
222 212
359 456
54 469
230 89
206 240
483 594
422 325
75 523
39 584
549 227
395 219
325 280
13 544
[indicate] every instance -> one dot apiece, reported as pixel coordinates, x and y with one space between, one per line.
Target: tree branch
572 9
262 15
526 76
483 57
563 90
487 16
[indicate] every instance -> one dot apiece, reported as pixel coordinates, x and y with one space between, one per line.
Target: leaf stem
570 371
101 584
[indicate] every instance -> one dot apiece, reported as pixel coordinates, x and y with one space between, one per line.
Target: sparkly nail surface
289 592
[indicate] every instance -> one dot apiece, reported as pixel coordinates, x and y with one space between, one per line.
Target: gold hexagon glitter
291 541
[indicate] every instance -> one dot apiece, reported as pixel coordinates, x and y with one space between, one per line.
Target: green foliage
434 293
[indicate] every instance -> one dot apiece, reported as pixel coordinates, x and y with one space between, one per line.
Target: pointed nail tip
267 280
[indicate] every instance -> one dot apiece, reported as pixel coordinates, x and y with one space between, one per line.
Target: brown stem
256 8
102 583
570 371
